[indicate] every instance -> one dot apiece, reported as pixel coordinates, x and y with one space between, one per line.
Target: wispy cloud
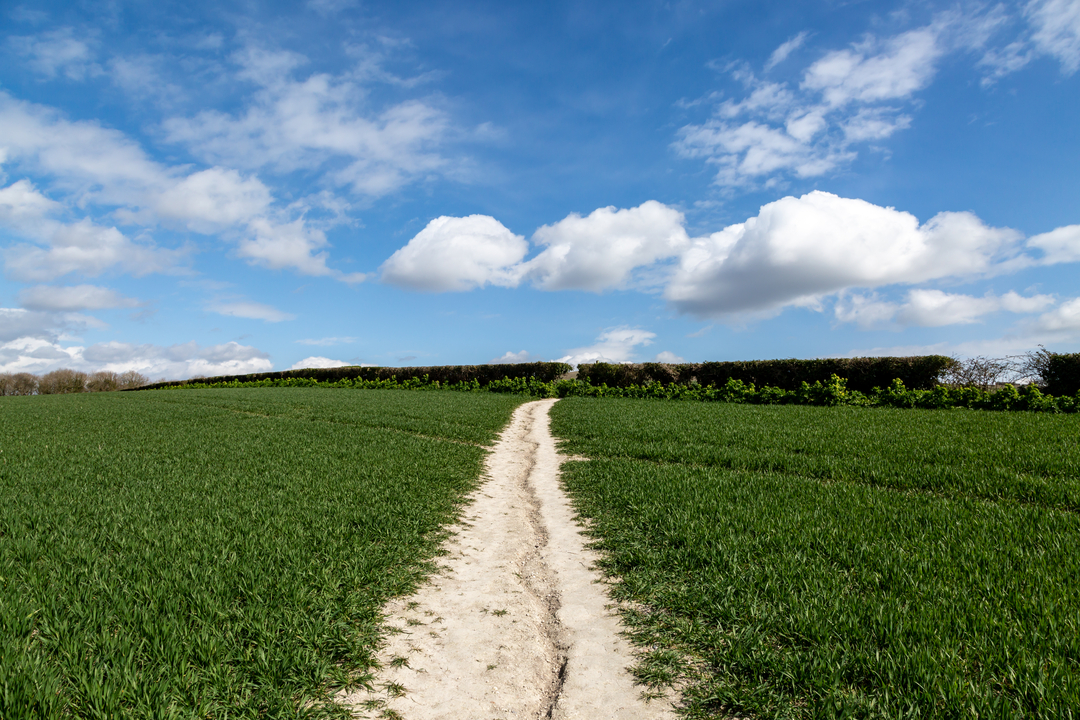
328 341
250 310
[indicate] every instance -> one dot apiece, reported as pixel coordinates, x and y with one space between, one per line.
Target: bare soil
516 623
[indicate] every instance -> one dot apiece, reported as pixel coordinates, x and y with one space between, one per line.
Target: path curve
516 623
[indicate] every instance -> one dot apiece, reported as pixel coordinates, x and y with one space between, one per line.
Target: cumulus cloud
74 298
88 249
597 252
797 250
667 356
309 123
317 361
100 168
17 323
935 308
38 355
213 199
614 345
249 310
601 250
454 254
511 358
1058 246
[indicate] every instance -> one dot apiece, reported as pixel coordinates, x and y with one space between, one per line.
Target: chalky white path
516 623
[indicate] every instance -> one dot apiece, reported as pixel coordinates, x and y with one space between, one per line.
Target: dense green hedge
833 391
445 374
862 374
1063 374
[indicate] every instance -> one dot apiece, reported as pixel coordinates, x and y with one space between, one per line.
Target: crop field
218 553
839 562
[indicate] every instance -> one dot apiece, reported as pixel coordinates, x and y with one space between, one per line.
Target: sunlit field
840 562
219 553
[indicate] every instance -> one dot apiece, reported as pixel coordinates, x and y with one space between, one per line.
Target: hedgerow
834 391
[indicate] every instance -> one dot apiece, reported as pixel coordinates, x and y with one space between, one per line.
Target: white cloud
602 250
74 298
798 250
249 310
327 341
291 245
1063 322
455 254
1056 30
82 247
99 167
1059 246
848 97
615 345
213 199
317 362
176 362
810 130
512 358
292 124
935 308
16 323
57 52
669 357
88 249
872 72
781 53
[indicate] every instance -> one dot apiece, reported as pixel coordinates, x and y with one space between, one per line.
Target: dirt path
515 624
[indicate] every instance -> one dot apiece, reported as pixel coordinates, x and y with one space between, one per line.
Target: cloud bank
796 252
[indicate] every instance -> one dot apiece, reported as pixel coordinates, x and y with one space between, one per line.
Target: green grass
217 553
840 562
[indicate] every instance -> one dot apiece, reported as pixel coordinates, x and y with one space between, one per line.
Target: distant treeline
69 381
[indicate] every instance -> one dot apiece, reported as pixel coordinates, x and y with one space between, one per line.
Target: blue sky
208 188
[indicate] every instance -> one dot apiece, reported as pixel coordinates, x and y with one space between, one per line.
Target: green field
840 562
218 553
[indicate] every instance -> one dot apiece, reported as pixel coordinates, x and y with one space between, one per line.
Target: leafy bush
862 374
447 374
1062 374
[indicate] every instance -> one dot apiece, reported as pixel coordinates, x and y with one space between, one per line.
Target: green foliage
862 374
445 375
1062 373
834 391
217 553
827 562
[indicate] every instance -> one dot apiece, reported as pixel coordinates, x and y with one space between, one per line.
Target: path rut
515 623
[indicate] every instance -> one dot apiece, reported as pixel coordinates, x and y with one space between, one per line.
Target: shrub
861 374
62 381
103 381
18 384
1062 374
